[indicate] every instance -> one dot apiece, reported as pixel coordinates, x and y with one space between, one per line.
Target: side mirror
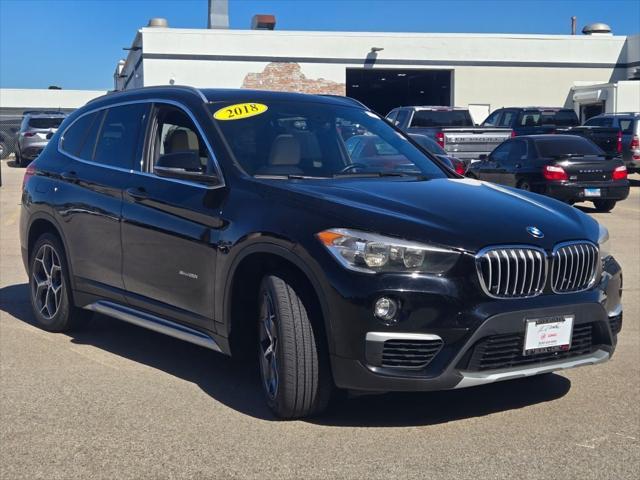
184 165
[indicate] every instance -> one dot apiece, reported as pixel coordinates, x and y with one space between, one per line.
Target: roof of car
619 114
239 95
33 114
548 137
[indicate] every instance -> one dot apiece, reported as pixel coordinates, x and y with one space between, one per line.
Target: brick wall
288 77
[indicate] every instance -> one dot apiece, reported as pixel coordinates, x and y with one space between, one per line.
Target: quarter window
76 135
118 141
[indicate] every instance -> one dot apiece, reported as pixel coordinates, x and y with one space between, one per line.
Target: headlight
603 238
371 253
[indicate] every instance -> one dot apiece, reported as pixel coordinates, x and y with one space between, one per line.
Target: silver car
35 131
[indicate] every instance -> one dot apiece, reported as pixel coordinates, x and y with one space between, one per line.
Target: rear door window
119 140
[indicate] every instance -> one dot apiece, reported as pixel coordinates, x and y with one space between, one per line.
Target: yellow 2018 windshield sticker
240 111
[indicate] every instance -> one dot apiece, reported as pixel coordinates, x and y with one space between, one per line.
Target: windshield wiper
379 174
289 176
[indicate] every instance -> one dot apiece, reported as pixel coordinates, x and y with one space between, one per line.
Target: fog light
386 309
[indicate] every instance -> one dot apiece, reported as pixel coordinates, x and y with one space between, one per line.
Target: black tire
295 379
48 272
18 159
524 185
604 205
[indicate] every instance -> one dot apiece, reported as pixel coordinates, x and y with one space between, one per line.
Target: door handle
70 176
138 193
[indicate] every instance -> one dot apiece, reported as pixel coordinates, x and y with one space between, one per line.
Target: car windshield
441 118
313 139
566 146
44 122
555 118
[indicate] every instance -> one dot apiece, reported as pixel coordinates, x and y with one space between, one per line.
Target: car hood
461 213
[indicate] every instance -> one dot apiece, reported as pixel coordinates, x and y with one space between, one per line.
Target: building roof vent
263 22
597 28
158 22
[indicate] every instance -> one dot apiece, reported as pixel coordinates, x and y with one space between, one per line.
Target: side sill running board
152 322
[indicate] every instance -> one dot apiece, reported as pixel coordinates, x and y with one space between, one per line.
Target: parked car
451 128
8 129
615 133
567 167
432 147
533 120
237 220
35 131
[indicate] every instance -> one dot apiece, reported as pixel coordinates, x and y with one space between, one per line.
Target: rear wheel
293 368
4 150
49 286
604 205
524 185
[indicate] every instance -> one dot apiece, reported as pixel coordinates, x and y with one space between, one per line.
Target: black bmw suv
236 220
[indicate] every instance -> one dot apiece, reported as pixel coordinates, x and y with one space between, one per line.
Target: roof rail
43 112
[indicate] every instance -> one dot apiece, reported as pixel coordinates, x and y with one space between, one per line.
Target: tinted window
501 154
392 117
626 125
492 120
567 145
119 135
402 117
310 139
177 134
45 122
556 118
428 144
75 136
442 118
518 152
507 118
89 144
594 122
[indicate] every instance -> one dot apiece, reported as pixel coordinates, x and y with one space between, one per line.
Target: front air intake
398 353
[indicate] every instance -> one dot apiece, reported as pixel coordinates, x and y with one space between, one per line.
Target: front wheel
604 205
293 367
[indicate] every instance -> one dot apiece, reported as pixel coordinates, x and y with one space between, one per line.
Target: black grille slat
512 272
414 354
490 353
574 267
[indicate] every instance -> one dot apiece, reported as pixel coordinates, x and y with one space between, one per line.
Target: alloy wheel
269 346
46 281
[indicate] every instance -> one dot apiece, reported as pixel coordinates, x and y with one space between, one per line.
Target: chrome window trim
596 271
153 100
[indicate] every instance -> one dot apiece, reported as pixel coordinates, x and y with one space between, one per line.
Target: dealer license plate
591 192
548 334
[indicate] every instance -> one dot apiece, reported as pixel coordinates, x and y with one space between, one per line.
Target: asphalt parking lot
116 401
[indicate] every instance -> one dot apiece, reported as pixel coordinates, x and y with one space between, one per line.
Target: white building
385 70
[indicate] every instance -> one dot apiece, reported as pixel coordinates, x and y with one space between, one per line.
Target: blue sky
77 43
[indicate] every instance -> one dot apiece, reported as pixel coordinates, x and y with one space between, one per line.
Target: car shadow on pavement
237 385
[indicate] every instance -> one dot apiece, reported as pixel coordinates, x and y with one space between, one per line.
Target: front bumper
457 361
575 192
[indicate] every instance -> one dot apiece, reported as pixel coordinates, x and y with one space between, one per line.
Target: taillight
513 133
552 172
459 168
635 147
29 134
440 139
619 173
619 144
28 173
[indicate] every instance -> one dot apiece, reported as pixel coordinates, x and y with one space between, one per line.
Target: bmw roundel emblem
535 232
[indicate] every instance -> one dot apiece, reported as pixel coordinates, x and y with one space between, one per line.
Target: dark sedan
566 167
